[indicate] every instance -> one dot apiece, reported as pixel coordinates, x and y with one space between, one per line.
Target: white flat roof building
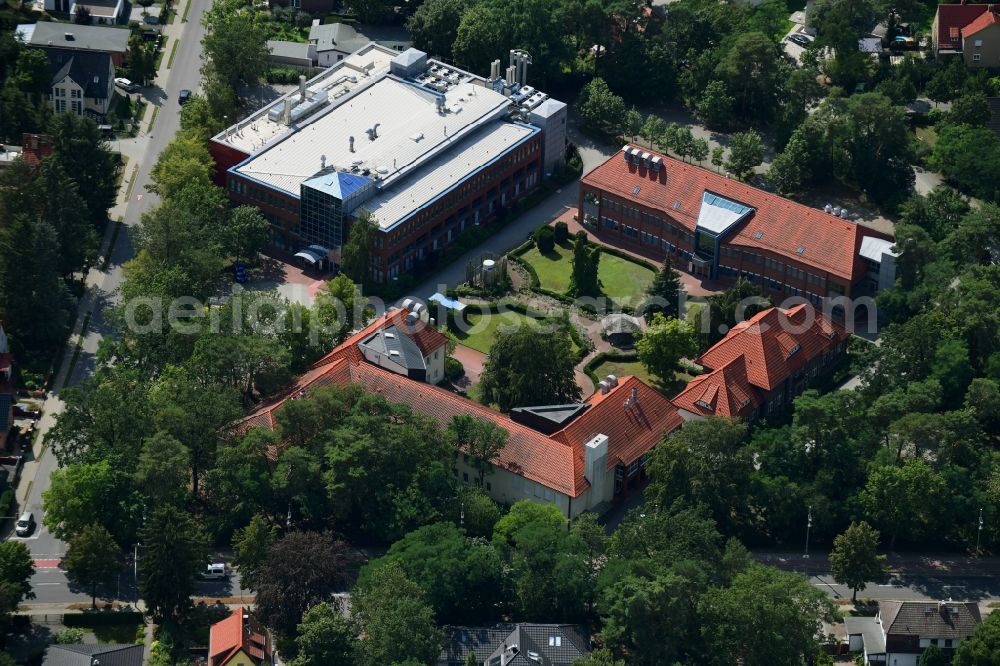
395 126
396 134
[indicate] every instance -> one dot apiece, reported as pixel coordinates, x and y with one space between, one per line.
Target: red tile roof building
972 31
239 640
763 363
719 228
579 467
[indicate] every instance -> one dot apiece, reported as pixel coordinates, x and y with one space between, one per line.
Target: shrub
282 75
69 635
545 239
453 369
6 501
561 232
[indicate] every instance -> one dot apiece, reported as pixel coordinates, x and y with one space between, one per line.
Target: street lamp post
809 524
979 533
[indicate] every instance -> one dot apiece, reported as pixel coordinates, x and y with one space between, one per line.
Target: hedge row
604 357
102 619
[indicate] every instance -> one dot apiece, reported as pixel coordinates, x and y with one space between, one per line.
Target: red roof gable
829 243
951 19
985 20
725 392
229 636
555 462
631 431
775 343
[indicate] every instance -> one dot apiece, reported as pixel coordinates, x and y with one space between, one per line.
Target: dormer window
704 405
555 641
793 350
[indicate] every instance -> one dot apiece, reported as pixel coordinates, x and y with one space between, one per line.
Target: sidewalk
896 563
136 151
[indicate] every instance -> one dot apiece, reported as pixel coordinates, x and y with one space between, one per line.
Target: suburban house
902 630
81 654
970 31
515 645
334 41
715 227
82 81
239 641
763 364
6 389
107 12
579 457
291 54
75 37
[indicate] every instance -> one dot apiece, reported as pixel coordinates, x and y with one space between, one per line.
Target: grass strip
173 52
152 120
187 8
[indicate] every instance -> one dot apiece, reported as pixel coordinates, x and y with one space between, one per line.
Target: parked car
800 39
151 20
25 524
215 571
184 96
126 85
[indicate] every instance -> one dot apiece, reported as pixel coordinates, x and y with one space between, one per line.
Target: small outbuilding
621 329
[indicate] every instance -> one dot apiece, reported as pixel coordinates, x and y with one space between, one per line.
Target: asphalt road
50 584
918 587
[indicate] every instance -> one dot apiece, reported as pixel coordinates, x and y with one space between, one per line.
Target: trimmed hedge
603 357
102 618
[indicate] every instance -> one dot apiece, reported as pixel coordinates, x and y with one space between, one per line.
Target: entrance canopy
313 254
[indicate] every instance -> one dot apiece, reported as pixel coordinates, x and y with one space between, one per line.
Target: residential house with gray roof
80 654
76 37
516 645
82 81
902 630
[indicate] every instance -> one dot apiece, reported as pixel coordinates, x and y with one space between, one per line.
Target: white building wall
435 365
329 58
894 659
507 487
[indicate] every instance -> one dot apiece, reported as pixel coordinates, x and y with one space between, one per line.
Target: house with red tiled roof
239 640
763 364
969 30
578 457
718 228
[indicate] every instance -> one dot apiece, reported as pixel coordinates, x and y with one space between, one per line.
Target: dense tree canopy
529 367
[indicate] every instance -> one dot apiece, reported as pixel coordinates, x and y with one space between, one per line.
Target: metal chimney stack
495 70
287 115
302 88
512 76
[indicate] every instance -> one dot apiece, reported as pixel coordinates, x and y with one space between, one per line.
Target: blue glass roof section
338 184
718 215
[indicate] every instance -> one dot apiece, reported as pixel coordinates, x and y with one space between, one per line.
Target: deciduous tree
854 560
92 559
530 367
326 637
746 151
302 569
664 344
396 621
251 546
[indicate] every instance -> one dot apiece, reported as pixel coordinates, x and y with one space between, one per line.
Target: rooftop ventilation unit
656 163
645 158
828 208
612 381
68 36
843 214
627 153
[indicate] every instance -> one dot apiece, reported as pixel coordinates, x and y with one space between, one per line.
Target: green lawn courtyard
479 334
622 280
635 368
